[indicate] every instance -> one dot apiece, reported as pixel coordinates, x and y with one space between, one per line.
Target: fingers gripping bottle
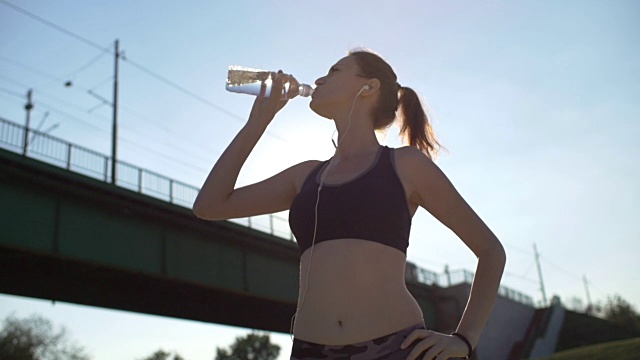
245 80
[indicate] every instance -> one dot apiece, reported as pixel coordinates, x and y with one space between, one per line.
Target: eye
332 70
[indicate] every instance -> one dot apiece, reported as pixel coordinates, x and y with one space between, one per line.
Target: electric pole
544 295
114 135
28 107
586 289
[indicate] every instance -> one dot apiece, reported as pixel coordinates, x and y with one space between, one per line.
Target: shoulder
416 170
299 172
408 158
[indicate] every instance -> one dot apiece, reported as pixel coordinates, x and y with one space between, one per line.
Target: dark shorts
383 348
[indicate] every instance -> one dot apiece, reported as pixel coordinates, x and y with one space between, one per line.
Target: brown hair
395 99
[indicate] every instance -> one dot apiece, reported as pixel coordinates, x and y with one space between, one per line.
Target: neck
356 139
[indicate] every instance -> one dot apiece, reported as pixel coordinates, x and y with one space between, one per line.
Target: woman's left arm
428 186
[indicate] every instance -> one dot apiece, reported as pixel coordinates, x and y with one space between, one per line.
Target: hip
353 320
384 347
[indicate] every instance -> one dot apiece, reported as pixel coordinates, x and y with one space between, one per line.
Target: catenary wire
134 64
129 128
11 92
521 277
45 94
36 71
96 127
129 61
106 120
172 159
88 64
100 83
566 272
54 109
52 25
102 118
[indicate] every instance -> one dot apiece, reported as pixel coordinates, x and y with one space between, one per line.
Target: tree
252 347
619 311
163 355
34 338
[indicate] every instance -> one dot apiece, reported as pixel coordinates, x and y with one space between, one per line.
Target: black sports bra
371 207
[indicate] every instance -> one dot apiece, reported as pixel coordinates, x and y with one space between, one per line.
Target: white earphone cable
324 171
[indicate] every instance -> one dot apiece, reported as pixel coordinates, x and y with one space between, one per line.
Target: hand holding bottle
264 107
267 86
256 82
273 91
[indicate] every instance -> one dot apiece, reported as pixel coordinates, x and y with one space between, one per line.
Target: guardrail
451 278
47 148
55 151
465 276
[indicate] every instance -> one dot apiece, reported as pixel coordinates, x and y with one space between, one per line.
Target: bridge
68 234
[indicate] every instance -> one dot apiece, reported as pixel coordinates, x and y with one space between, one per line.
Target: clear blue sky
538 103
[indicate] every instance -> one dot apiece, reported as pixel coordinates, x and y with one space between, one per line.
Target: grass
615 350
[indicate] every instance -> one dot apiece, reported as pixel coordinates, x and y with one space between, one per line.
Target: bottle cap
306 90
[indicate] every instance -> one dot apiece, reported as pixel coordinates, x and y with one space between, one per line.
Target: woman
351 217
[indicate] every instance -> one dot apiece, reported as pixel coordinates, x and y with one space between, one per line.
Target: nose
319 81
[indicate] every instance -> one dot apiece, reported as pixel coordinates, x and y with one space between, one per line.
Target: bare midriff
356 292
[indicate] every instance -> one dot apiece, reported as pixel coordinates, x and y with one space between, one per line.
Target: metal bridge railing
81 160
55 151
466 276
451 278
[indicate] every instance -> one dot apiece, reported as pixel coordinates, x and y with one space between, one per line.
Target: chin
319 109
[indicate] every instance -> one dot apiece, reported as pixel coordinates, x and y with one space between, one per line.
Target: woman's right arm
219 200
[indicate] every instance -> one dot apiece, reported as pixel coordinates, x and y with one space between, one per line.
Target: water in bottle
258 82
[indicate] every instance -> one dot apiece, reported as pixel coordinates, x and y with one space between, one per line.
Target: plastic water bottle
245 80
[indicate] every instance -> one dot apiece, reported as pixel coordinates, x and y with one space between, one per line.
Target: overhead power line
566 272
11 92
14 82
180 88
521 277
21 96
39 72
54 26
129 61
54 109
87 65
104 50
132 63
150 122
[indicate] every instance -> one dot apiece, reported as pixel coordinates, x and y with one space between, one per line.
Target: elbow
198 210
494 254
503 255
498 255
204 211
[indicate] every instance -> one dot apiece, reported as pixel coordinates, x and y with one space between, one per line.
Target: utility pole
448 274
544 294
28 107
586 289
114 135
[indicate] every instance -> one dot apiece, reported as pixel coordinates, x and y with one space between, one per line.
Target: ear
374 86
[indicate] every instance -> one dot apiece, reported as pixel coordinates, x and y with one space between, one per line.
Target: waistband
370 349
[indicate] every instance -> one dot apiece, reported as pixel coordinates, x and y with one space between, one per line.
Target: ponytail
415 127
398 102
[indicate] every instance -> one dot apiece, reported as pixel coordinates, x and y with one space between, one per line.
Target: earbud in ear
366 87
